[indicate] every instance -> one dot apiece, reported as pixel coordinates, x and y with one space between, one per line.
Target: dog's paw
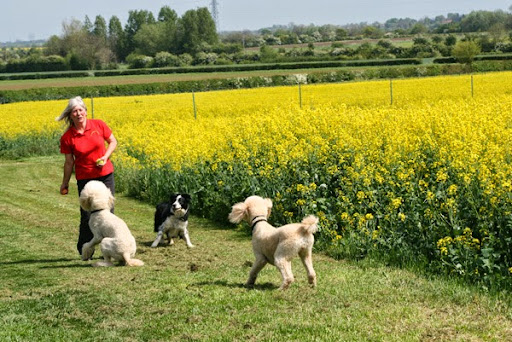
134 262
190 246
87 253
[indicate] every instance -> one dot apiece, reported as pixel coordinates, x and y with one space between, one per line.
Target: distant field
141 79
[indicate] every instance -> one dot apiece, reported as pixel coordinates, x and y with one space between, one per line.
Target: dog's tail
309 224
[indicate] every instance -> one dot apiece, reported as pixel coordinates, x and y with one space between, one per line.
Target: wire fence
392 92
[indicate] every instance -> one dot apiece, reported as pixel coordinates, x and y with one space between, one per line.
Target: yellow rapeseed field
373 160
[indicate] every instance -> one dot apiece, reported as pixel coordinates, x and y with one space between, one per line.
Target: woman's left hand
100 162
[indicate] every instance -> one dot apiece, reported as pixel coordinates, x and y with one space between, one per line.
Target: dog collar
257 219
184 218
95 211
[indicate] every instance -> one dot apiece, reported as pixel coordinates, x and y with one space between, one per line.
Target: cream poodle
277 246
111 232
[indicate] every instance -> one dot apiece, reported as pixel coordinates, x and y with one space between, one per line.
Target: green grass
48 294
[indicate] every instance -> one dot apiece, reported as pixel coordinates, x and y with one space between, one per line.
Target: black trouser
85 235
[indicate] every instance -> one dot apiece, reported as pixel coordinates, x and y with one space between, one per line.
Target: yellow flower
441 176
361 195
396 202
430 196
302 188
452 189
288 214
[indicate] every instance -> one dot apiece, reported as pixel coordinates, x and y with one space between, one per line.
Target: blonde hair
73 102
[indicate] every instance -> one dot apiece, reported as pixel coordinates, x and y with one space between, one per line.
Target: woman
83 145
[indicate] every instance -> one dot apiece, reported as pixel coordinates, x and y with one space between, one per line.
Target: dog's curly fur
277 246
111 232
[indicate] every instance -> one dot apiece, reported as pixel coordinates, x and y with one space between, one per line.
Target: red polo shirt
87 148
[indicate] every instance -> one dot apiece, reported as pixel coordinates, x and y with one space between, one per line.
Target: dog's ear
172 198
268 203
238 212
111 200
187 197
85 202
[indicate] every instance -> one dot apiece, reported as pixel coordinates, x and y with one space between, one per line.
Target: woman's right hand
64 189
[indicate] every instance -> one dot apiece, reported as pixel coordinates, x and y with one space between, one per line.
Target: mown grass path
48 294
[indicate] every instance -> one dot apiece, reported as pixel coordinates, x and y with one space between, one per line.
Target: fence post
300 96
194 103
471 85
391 91
92 106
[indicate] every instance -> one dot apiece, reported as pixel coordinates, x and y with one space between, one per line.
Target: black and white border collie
171 220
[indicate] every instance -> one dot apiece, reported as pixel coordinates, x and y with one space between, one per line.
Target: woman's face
78 115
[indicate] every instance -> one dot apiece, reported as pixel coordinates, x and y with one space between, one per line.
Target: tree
135 21
87 25
207 28
150 39
419 28
267 53
481 21
115 36
497 32
372 32
100 28
341 34
54 46
167 14
82 49
450 40
437 39
196 29
188 32
168 18
465 51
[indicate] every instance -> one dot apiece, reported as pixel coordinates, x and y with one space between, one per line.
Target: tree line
192 39
98 44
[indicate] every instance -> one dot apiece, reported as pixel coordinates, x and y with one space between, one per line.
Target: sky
39 19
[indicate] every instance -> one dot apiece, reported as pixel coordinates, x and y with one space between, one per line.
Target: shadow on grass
46 263
224 283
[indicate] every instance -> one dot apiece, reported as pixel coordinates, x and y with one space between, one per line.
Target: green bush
410 228
36 64
29 145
